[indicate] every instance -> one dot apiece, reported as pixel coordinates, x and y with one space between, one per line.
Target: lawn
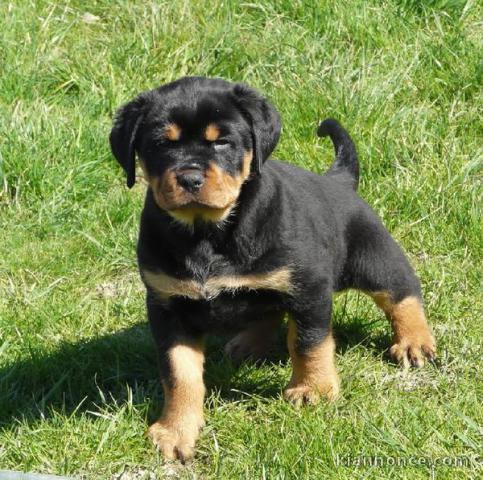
78 375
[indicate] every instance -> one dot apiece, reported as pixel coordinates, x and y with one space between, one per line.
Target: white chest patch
166 286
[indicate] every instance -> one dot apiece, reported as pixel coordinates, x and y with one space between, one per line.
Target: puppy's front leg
312 347
181 361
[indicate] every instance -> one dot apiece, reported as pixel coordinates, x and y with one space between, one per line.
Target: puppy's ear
123 136
264 121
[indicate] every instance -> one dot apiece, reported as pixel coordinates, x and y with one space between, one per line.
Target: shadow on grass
358 331
79 376
83 373
83 376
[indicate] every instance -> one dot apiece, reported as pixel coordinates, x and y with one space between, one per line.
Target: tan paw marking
313 371
414 350
176 431
175 442
413 342
310 395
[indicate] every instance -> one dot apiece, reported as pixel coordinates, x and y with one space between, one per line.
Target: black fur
285 217
346 162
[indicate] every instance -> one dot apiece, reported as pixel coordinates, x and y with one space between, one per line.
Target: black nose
191 180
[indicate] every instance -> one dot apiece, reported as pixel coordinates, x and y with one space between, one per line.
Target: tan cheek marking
220 188
313 372
172 132
166 190
167 286
212 132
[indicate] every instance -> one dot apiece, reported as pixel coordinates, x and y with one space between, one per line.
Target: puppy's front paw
310 394
175 441
414 350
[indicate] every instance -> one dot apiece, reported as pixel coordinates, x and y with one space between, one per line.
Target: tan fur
167 286
166 191
413 340
220 189
313 372
213 202
212 132
172 132
177 430
279 280
187 215
247 163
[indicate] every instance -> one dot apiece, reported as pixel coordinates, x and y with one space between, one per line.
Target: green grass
78 377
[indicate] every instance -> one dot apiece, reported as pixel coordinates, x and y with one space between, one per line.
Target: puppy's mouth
212 201
193 211
175 197
205 210
201 206
209 195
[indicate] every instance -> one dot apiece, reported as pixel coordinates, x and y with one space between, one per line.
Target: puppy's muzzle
191 179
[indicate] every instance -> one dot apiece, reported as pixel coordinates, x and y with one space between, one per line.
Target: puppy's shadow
268 377
96 373
236 381
358 331
104 372
77 377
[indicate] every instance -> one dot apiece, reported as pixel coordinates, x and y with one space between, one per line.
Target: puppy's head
198 140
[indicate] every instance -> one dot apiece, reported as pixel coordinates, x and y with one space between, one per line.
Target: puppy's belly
227 312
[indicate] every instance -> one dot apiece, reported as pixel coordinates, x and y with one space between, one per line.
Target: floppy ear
123 136
264 121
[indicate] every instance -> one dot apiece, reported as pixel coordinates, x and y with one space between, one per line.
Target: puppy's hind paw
413 351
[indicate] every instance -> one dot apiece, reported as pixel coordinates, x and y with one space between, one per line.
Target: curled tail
346 161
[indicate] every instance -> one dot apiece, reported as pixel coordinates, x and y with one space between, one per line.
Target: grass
78 377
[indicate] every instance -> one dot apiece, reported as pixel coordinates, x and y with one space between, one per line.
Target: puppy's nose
191 180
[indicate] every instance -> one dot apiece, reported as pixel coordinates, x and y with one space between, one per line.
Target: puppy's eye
221 143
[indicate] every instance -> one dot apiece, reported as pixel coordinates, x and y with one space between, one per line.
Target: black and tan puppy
231 242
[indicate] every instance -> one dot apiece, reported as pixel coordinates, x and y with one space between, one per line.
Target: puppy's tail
346 163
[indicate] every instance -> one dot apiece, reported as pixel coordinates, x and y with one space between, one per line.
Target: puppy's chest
205 275
202 262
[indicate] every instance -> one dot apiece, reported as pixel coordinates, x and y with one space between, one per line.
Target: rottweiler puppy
232 242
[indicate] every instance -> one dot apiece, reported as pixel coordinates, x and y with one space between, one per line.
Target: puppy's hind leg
378 267
254 343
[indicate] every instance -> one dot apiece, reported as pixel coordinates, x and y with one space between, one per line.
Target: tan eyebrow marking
212 132
172 132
